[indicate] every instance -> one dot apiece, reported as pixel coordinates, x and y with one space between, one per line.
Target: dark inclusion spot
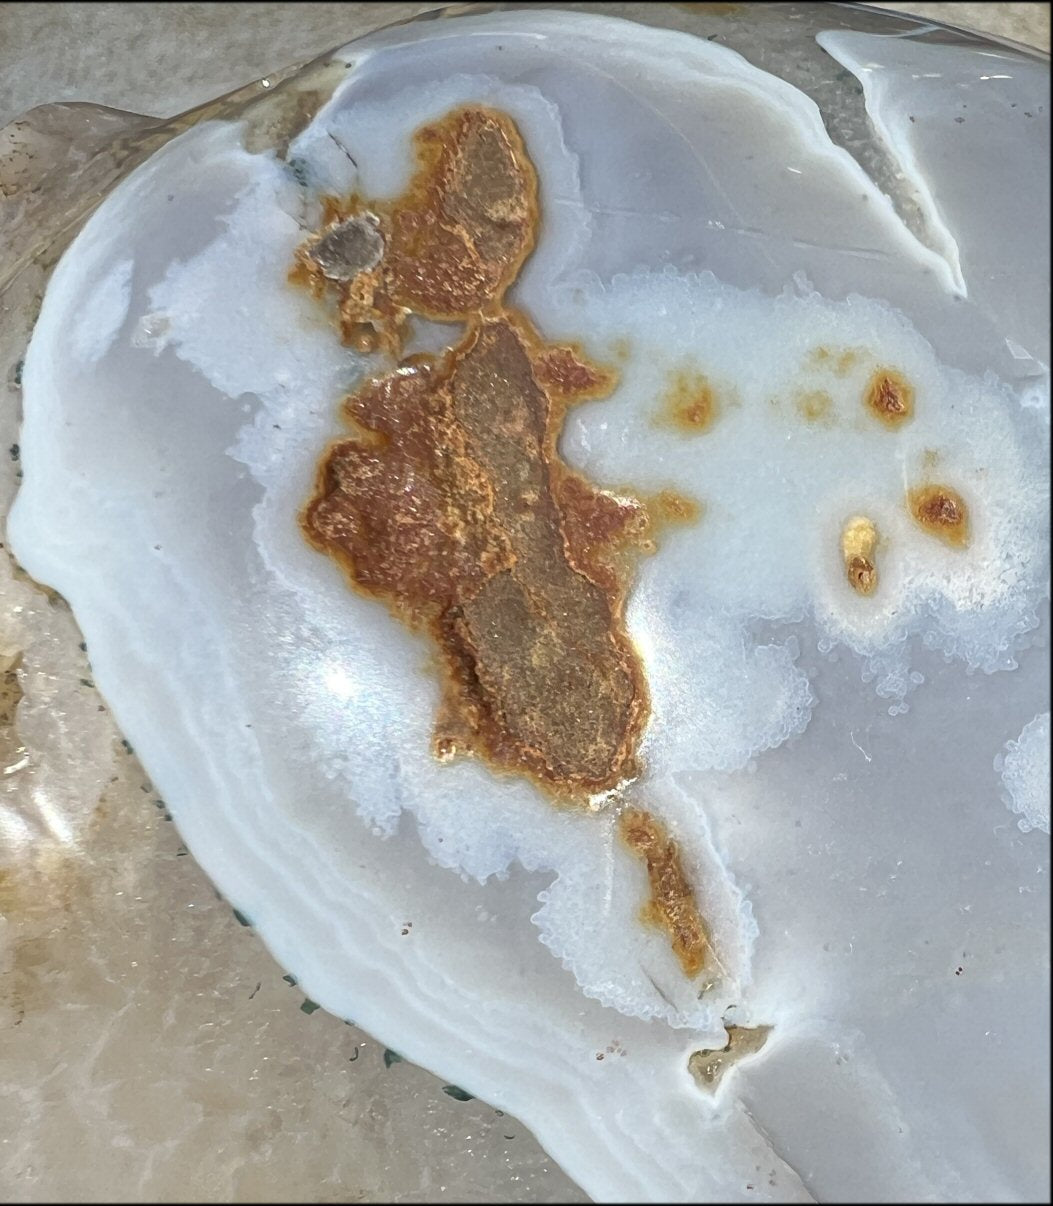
348 248
457 1093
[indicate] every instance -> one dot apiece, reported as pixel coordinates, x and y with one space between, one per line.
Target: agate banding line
452 505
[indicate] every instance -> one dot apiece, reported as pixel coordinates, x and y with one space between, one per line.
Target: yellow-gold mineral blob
858 541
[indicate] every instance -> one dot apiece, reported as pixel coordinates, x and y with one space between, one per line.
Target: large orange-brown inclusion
450 501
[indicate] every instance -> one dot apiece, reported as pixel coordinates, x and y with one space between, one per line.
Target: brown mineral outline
450 501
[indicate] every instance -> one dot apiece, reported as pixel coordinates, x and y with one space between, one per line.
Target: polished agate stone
562 517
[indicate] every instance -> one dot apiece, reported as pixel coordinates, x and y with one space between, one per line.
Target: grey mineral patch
348 248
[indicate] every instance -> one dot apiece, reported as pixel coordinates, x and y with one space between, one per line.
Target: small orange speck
942 512
846 362
815 406
690 403
840 363
890 397
670 507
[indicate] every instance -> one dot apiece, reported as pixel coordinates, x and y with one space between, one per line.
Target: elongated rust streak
452 509
672 903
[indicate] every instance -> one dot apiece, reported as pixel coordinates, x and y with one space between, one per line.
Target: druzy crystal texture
563 520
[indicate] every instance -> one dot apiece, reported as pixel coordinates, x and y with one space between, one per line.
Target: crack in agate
451 504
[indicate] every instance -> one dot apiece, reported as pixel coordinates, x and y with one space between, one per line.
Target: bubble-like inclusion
815 406
1024 767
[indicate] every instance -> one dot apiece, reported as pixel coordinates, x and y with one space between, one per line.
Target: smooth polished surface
170 1141
164 58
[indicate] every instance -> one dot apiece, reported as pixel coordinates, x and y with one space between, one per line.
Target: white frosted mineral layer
1024 766
696 219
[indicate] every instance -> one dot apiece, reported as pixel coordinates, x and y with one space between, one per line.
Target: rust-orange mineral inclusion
451 504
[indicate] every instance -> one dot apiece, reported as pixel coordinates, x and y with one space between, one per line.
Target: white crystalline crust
1024 767
778 488
271 703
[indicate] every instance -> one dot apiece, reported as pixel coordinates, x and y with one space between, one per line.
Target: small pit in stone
709 1067
348 248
